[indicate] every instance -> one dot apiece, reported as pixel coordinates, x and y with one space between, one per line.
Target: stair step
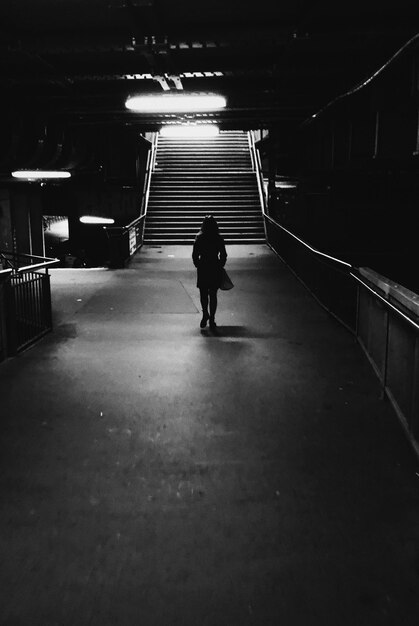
198 217
230 177
191 235
203 154
189 242
197 223
190 185
194 177
173 205
201 214
239 239
193 231
198 196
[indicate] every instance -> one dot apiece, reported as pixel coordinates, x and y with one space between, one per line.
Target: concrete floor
153 474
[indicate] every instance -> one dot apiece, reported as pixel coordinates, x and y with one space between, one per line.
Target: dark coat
209 257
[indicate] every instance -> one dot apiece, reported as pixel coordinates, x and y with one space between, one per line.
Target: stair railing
252 149
151 163
124 241
257 168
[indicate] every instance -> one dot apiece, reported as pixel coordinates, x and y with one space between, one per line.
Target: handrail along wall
384 331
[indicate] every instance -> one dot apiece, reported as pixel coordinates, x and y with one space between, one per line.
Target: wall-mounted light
175 103
40 174
192 130
286 185
92 219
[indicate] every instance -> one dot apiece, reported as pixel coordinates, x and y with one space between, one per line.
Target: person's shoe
205 318
212 323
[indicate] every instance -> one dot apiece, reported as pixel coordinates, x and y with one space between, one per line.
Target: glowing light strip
286 185
40 174
170 103
92 219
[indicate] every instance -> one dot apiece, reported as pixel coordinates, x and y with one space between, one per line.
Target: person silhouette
209 257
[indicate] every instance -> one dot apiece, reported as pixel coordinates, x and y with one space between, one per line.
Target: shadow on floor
240 332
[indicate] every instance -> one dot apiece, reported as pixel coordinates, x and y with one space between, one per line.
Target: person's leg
212 306
203 294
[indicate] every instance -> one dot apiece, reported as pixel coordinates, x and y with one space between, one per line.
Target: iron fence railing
29 305
25 301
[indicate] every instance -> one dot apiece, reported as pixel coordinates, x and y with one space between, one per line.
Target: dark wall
6 240
25 221
108 167
357 165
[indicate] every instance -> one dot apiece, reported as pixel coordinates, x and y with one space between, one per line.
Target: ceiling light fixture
192 130
92 219
175 103
40 174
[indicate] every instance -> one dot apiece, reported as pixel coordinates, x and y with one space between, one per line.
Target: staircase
196 177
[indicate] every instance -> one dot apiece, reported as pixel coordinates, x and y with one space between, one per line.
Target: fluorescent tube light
92 219
286 185
40 174
193 130
175 103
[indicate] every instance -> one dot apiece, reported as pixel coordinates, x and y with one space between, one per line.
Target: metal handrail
143 209
37 266
5 273
251 143
306 245
343 264
45 262
260 180
4 259
257 166
22 254
351 273
388 304
151 160
268 217
125 227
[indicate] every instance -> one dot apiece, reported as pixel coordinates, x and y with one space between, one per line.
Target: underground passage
209 362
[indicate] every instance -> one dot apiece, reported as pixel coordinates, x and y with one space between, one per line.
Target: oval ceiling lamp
190 130
175 103
93 219
40 174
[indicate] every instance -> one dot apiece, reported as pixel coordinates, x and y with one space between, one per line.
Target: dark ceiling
76 61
